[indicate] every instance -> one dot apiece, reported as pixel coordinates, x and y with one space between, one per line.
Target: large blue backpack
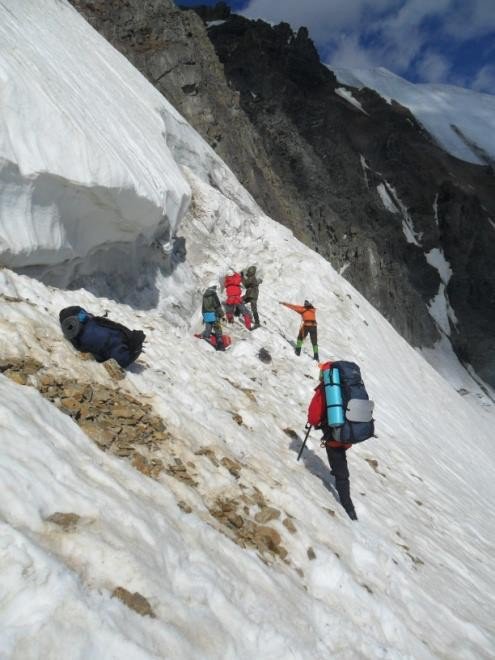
358 409
104 338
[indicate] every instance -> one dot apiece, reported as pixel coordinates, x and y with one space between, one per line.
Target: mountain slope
356 178
390 580
177 490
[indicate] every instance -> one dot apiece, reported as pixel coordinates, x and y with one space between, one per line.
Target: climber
251 283
308 325
233 303
105 339
212 313
336 451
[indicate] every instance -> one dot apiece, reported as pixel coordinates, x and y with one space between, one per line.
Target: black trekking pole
308 427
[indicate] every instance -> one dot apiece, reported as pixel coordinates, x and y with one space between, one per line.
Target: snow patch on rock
436 258
439 310
392 202
387 200
347 96
462 121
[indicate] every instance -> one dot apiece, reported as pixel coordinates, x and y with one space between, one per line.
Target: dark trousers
254 309
338 464
216 327
236 310
305 330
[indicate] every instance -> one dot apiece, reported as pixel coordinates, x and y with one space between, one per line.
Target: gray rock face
172 50
467 236
260 96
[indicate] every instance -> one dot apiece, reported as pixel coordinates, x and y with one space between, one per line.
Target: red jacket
233 289
317 411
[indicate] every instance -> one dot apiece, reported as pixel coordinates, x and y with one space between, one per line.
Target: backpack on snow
358 424
100 336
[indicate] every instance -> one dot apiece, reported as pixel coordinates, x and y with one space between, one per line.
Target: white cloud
485 79
433 67
401 31
351 55
470 19
388 33
412 13
323 18
394 53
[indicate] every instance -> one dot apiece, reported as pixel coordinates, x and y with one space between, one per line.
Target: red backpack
233 289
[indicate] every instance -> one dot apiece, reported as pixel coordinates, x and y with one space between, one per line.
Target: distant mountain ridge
461 120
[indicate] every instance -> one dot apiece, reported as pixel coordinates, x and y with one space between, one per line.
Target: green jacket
211 303
251 283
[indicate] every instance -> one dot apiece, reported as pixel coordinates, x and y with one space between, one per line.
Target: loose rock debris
134 601
126 427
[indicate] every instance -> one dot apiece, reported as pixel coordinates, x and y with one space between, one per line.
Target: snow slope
461 121
89 150
413 578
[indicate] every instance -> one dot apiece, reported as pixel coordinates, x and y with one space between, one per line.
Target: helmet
307 304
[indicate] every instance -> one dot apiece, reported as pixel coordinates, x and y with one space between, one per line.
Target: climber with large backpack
341 408
103 338
234 304
308 326
212 313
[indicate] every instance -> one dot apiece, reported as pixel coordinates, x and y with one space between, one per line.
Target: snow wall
90 152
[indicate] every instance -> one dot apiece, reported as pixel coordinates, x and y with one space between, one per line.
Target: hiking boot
297 351
352 513
255 326
220 345
114 370
315 357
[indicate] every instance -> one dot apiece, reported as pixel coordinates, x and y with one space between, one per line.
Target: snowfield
461 121
89 150
413 578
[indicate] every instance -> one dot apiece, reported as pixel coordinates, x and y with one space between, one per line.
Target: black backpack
358 409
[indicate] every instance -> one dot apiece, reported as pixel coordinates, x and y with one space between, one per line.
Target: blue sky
446 41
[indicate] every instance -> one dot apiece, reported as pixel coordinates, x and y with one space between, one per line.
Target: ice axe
308 427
